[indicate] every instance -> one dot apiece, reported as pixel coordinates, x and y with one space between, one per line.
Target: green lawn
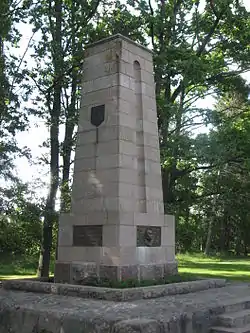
193 265
231 268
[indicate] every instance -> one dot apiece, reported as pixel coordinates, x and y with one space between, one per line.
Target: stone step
234 319
236 305
218 329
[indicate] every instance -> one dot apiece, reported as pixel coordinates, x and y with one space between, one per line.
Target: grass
190 266
231 268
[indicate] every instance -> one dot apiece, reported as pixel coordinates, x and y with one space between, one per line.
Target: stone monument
116 228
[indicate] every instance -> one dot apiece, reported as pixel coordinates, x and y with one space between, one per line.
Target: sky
38 132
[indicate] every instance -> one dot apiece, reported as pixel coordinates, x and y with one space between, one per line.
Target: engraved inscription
148 236
87 235
97 115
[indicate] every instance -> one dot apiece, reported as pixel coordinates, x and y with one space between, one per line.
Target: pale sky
38 132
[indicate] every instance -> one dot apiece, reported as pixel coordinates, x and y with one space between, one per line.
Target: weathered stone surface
151 272
83 272
62 272
113 294
139 325
22 312
129 272
109 272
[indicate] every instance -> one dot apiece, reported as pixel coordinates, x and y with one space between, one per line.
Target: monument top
117 36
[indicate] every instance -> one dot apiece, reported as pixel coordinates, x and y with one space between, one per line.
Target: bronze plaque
148 236
97 115
87 235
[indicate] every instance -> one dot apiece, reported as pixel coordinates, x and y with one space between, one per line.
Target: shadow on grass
217 266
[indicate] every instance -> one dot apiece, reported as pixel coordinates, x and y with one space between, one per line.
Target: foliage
20 223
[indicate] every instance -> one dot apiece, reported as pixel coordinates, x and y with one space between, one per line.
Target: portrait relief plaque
148 236
87 235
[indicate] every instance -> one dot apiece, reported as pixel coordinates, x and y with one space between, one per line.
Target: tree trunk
209 237
49 212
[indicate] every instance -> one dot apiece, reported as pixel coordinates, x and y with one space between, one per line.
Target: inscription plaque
148 236
87 235
97 115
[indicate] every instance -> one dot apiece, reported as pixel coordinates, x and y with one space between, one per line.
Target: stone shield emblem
97 115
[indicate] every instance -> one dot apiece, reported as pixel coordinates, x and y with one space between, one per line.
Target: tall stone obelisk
116 228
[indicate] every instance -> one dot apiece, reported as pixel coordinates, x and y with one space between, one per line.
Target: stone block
84 164
127 161
149 103
127 94
86 137
108 272
170 253
129 272
147 77
103 96
152 167
65 234
126 81
120 218
103 82
107 162
112 43
150 127
88 151
152 154
82 273
168 232
77 253
111 235
127 147
62 272
148 90
128 190
127 120
128 255
148 219
155 206
151 272
137 49
127 205
150 255
127 235
170 268
107 148
150 116
154 193
153 181
92 218
102 67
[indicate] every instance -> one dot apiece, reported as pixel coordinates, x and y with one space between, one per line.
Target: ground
189 264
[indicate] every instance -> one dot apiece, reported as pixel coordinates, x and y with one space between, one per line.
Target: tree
63 25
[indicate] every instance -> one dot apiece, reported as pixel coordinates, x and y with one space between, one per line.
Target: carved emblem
97 115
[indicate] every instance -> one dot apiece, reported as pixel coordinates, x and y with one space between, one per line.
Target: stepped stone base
36 312
81 273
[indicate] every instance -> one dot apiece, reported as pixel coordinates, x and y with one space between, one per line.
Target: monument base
82 273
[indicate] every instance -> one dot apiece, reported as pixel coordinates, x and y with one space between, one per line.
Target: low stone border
111 294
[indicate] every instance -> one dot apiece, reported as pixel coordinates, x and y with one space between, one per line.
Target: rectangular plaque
148 236
87 235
